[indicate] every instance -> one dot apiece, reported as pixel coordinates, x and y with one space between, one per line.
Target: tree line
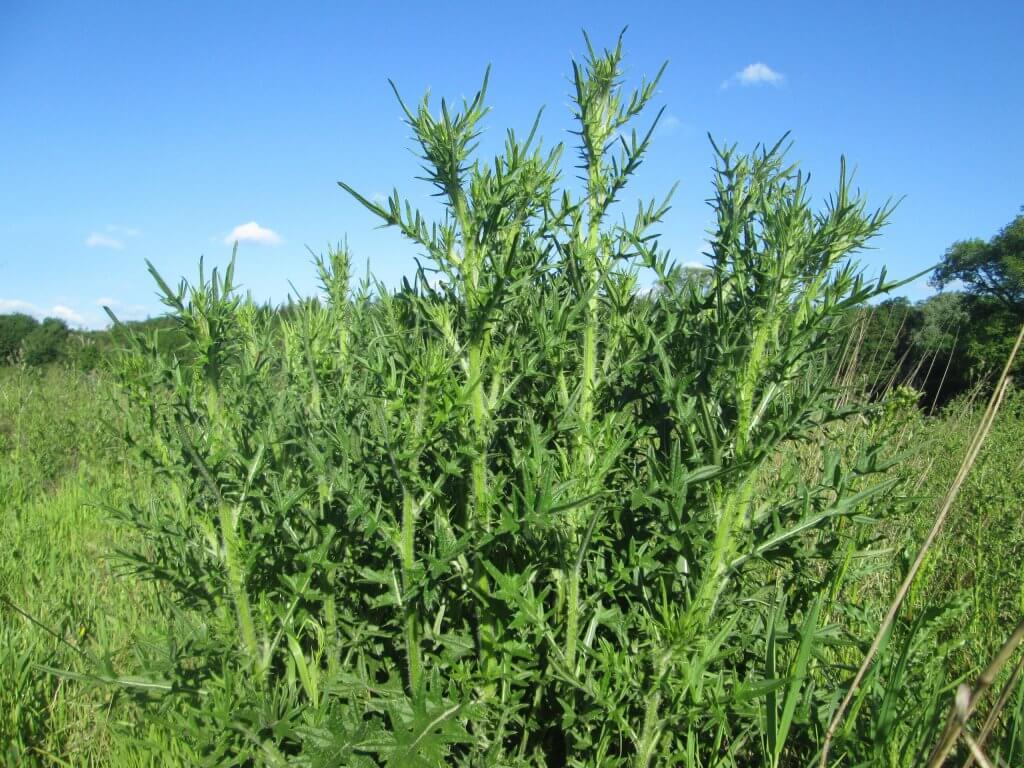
957 340
28 341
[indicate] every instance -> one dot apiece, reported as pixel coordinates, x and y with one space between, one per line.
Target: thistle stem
412 641
236 582
481 513
572 614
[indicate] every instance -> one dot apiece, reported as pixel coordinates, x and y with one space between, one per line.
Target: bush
511 514
517 512
46 343
13 330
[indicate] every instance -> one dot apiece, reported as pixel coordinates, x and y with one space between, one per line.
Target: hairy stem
412 641
481 511
236 582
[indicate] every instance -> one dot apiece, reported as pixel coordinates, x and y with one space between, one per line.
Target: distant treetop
993 269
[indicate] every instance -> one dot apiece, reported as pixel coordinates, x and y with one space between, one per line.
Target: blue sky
154 130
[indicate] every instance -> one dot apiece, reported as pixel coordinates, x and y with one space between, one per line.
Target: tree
46 343
993 269
13 330
943 318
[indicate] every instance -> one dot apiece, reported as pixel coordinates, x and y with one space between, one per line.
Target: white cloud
10 306
62 311
755 74
112 236
99 240
253 233
67 314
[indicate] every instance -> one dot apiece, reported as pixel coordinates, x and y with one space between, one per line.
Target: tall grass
61 606
520 512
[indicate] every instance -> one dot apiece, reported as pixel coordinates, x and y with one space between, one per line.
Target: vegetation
992 270
515 512
13 330
955 341
27 341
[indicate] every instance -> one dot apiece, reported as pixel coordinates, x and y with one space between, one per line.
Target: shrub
13 330
513 513
45 343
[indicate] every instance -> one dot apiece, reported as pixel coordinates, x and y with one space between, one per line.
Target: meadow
517 511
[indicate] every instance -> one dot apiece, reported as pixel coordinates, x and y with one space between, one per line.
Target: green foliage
55 533
993 269
24 340
512 516
60 604
988 521
945 346
45 343
13 330
943 318
962 606
47 420
960 340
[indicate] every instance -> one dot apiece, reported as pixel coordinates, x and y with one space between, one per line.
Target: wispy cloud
122 310
112 236
67 314
757 73
100 240
9 306
253 233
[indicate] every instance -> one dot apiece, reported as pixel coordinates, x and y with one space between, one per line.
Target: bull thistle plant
518 511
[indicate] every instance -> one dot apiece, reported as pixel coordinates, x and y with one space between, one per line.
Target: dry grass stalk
976 752
945 373
997 708
968 698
